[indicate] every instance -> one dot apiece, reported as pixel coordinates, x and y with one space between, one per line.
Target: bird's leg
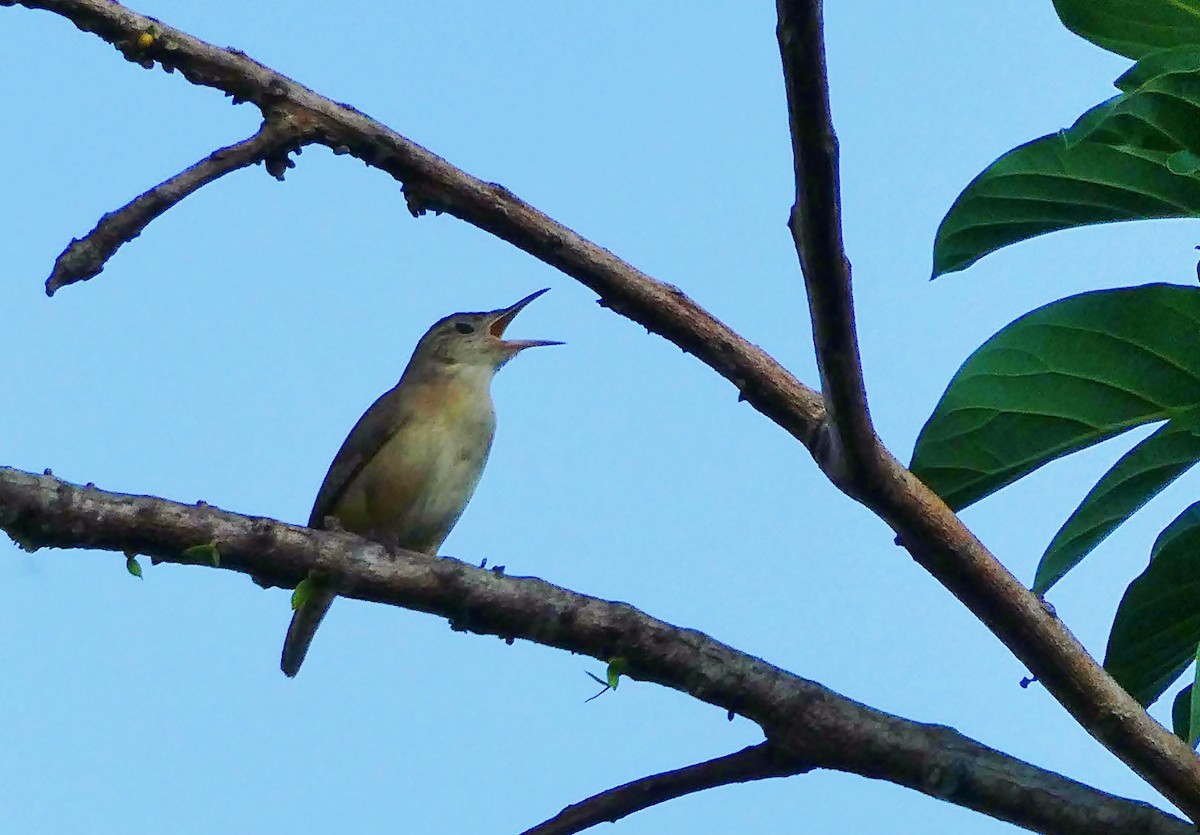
390 542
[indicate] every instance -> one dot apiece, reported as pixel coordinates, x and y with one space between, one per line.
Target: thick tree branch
809 725
816 225
85 257
931 532
858 463
432 183
754 763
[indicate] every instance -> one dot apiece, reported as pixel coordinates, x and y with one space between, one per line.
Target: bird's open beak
502 318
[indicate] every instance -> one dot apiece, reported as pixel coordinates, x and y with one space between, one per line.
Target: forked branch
857 463
809 726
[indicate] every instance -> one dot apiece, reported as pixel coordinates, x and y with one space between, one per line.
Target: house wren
411 463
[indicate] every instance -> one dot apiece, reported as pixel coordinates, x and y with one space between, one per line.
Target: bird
406 471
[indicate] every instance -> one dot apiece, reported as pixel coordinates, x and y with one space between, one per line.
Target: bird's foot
392 544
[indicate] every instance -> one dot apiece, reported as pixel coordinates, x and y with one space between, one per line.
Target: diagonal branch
757 762
806 723
85 257
935 537
432 183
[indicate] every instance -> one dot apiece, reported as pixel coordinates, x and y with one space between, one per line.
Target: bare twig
806 722
85 257
930 531
754 763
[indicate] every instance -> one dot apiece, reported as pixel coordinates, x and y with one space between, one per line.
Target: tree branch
85 257
816 225
807 723
754 763
431 183
929 530
859 465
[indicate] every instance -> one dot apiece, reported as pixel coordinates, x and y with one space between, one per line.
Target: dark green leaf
1140 475
133 567
1185 710
616 667
1194 704
204 553
1182 59
1055 183
1132 27
1157 626
1133 157
1181 708
1064 377
1161 114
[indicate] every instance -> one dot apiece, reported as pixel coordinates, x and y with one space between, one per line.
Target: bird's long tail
300 632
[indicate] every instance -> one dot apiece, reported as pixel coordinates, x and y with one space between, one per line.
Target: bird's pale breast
415 488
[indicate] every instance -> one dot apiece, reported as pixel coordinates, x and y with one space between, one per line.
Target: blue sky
225 353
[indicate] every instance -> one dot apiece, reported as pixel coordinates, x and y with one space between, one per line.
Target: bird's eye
464 327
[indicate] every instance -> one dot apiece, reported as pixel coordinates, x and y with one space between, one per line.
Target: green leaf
616 667
1181 59
1181 709
205 553
303 591
1133 157
1160 114
1057 380
1140 475
1157 626
1194 705
1185 710
133 567
1057 182
1132 28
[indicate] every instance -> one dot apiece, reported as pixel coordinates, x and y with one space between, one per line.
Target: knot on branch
278 161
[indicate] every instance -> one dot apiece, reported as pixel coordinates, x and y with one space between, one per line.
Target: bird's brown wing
374 429
377 425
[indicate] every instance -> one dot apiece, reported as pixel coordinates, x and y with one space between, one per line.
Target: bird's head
475 339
